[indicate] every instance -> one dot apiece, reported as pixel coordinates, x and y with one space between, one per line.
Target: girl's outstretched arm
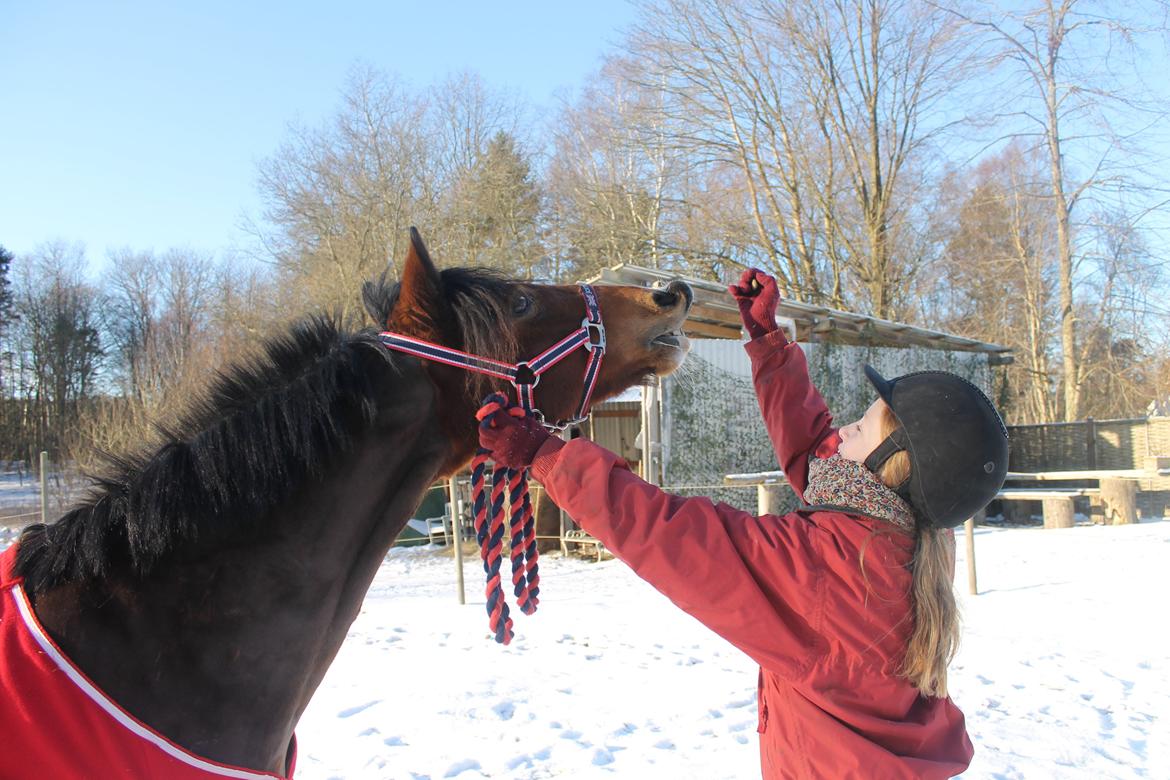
795 414
756 581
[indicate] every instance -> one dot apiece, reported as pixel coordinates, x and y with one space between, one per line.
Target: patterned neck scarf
837 481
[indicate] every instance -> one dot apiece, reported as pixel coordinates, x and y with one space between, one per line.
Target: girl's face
861 438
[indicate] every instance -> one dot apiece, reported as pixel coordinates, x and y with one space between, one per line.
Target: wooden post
972 585
1090 443
768 499
565 515
1119 497
44 487
1058 513
456 536
651 435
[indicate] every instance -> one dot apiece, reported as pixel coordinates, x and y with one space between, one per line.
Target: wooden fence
1090 445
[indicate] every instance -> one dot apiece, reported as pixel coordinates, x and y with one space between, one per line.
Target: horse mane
238 450
259 432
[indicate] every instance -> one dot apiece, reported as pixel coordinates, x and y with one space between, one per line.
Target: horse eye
521 304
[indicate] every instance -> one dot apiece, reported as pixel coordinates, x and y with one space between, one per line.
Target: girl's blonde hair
935 637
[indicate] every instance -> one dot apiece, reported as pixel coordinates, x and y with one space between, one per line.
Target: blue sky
140 123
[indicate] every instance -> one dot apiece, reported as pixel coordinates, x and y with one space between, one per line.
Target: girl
846 603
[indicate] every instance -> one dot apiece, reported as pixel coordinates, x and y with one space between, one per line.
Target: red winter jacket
789 591
55 723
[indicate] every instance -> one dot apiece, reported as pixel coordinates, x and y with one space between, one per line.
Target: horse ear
420 295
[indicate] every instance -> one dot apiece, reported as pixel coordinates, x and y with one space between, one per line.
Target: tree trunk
1119 497
1058 513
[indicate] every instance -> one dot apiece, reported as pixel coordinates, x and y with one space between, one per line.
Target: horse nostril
669 296
665 298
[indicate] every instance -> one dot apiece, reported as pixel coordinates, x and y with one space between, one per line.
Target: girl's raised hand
757 296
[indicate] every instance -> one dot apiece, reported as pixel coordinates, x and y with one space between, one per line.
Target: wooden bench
1057 502
1116 501
581 538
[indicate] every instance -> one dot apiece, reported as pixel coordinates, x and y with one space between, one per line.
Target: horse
201 590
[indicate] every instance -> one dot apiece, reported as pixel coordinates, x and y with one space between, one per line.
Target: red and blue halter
489 525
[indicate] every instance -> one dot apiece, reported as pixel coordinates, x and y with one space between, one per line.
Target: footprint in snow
394 742
459 767
1106 719
349 712
505 710
520 761
602 757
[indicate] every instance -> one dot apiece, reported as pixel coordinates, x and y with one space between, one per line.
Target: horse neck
221 653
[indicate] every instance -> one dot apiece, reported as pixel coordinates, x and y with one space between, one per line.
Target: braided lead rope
531 573
489 532
497 603
517 493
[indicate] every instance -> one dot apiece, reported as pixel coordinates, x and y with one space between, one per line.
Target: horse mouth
674 339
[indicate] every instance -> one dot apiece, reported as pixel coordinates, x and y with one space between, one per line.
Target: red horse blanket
55 723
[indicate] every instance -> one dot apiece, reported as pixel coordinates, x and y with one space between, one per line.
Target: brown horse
207 585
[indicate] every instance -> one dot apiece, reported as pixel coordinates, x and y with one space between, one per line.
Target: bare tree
821 109
614 179
339 199
1120 325
1070 72
59 344
994 276
174 319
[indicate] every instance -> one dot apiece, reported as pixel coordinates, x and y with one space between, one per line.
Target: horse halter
525 375
489 514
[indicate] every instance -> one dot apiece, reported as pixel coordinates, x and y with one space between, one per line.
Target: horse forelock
235 456
478 301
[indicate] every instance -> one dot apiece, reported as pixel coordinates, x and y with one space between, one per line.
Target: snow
1063 672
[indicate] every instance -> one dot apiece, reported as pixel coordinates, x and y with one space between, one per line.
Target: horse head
512 321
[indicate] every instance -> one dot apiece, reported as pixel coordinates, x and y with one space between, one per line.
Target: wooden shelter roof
714 315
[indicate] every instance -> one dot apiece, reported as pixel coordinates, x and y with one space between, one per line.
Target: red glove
757 297
512 435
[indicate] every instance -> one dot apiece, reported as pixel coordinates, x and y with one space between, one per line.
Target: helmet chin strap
894 443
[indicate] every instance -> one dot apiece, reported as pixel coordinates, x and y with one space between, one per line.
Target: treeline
89 366
976 170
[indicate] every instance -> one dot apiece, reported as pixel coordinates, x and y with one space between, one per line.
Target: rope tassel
489 533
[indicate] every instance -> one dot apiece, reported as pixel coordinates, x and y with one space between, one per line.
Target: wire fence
31 493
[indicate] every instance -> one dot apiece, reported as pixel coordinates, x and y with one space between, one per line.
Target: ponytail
935 637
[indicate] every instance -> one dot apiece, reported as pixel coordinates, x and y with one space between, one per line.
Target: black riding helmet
956 441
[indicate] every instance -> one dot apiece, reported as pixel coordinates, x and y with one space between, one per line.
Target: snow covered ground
1064 672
